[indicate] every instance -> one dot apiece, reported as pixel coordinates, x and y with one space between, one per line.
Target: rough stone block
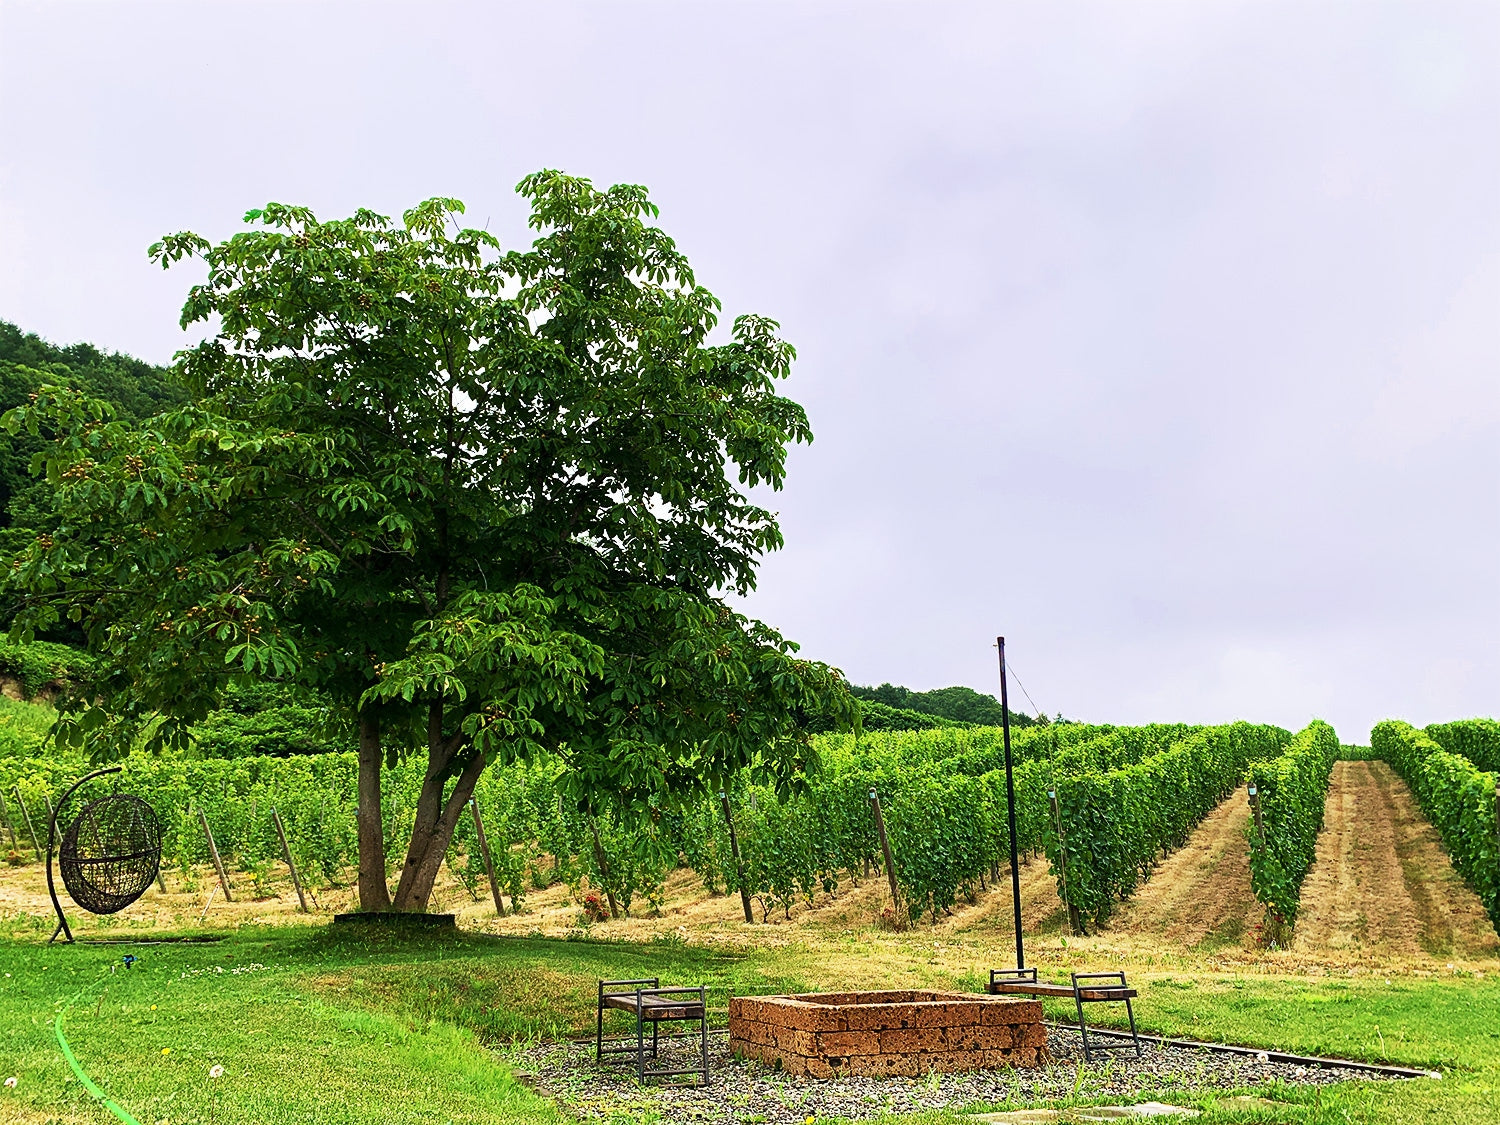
897 1033
1000 1011
847 1043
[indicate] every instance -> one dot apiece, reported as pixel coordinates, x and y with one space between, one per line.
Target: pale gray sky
1163 338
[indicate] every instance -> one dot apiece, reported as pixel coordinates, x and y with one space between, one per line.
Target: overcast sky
1163 338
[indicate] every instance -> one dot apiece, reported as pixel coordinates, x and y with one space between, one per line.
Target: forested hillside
136 390
959 704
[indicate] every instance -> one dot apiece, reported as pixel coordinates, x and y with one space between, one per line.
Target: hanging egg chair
109 855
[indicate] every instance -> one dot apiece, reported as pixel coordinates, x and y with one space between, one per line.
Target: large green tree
490 502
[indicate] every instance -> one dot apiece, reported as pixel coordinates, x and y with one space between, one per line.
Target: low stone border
883 1034
742 1092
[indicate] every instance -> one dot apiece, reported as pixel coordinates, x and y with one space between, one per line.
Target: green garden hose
88 1083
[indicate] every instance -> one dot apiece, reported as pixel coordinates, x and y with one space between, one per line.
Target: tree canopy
490 503
27 362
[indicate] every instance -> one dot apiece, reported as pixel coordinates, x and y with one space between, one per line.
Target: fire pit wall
875 1034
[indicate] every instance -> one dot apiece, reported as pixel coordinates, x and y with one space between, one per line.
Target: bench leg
1134 1035
703 1033
1083 1028
640 1043
599 1028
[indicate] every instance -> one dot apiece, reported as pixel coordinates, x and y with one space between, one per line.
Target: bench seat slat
1028 988
655 1007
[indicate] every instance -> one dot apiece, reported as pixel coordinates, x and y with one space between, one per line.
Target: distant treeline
956 704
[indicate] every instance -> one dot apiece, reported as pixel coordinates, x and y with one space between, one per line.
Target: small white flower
216 1071
10 1083
1262 1057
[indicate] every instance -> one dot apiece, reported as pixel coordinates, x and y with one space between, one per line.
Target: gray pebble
742 1093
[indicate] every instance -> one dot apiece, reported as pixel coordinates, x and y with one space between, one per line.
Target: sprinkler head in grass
130 959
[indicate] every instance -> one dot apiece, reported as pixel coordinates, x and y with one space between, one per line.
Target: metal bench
654 1005
1024 982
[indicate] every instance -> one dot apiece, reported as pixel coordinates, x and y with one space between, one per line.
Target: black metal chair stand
1093 994
654 1005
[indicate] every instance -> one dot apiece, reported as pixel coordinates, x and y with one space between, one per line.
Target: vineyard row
1102 803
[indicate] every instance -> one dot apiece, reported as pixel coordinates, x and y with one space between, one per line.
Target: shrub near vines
1457 797
1293 789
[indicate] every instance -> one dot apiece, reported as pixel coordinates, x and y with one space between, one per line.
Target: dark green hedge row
1458 798
1293 789
275 731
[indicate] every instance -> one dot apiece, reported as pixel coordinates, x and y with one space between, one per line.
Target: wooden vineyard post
1278 930
489 863
286 854
1075 923
603 863
1260 827
885 850
739 866
26 816
213 850
5 819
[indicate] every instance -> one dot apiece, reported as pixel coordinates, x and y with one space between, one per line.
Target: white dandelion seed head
216 1071
10 1083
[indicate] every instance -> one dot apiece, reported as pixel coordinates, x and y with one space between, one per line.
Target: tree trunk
373 893
435 821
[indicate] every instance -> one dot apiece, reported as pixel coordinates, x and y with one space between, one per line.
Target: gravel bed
742 1092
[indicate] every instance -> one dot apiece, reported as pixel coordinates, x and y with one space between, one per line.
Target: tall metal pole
1010 807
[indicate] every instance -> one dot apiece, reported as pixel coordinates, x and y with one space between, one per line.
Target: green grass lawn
314 1026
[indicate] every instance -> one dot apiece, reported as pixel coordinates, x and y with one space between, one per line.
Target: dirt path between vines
1381 884
1200 896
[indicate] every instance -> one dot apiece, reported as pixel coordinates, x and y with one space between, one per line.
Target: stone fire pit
878 1034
